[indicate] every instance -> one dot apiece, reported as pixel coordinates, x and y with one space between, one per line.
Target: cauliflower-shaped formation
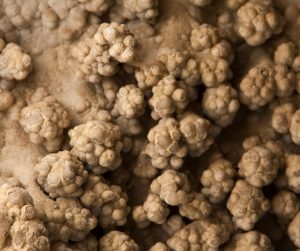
149 76
155 210
165 146
247 204
118 40
116 240
172 187
295 127
107 202
98 143
173 224
20 13
61 174
259 166
198 133
294 230
140 217
285 53
257 88
214 70
100 55
285 80
130 9
159 246
169 96
223 50
292 172
66 219
99 7
287 58
38 94
19 220
130 102
226 22
282 117
14 199
50 20
209 39
174 60
285 205
204 36
190 74
29 235
6 100
88 68
130 129
220 104
257 21
44 122
252 240
217 180
89 243
14 62
197 207
200 235
105 93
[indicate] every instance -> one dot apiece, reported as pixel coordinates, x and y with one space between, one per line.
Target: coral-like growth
257 21
107 202
172 187
220 104
285 205
207 234
247 204
196 208
292 172
129 102
165 147
198 133
257 87
248 241
44 122
100 55
259 166
282 117
217 180
14 62
98 143
61 175
116 240
169 96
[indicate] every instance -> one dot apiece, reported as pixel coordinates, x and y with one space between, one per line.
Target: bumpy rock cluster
14 62
100 54
98 143
44 122
61 175
130 125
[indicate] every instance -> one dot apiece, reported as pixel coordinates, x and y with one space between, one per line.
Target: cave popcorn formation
161 125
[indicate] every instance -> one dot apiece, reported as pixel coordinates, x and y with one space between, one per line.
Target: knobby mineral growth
161 125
